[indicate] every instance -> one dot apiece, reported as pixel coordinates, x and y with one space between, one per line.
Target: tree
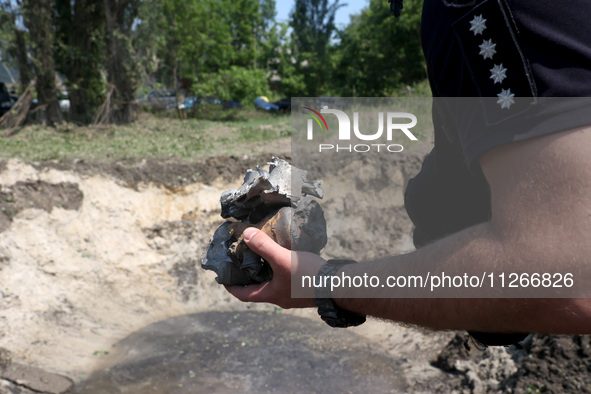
244 20
313 26
80 27
268 14
278 53
197 40
16 41
160 34
378 54
120 61
272 36
236 83
37 16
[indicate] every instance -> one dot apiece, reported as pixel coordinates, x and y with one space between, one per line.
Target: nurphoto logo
388 122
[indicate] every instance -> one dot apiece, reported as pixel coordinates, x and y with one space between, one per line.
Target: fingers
278 257
264 246
278 290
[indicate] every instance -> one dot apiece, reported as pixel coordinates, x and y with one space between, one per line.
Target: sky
342 16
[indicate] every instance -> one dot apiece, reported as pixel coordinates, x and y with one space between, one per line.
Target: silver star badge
505 98
478 25
487 49
498 73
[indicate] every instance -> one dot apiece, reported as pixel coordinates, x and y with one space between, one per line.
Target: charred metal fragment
275 201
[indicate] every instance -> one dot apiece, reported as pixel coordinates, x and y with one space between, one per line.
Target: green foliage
278 50
80 29
38 18
245 84
293 85
236 83
194 39
219 45
5 22
229 49
15 41
121 63
244 17
268 14
378 54
313 26
270 36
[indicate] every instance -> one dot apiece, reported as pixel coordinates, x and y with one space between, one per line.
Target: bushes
237 83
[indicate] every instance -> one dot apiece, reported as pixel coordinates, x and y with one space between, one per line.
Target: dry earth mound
91 253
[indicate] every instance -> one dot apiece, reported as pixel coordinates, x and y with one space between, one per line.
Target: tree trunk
22 61
37 18
79 32
18 50
120 62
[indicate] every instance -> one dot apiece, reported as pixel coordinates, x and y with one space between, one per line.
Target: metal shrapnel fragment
277 202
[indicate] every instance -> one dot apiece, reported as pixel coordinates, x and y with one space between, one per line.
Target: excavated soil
102 291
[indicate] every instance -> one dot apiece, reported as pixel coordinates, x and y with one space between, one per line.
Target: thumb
260 243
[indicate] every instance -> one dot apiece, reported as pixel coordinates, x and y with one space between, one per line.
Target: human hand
288 268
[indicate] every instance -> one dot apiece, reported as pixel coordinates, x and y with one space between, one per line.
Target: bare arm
541 217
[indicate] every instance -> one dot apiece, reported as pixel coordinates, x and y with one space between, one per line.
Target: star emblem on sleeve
498 73
478 24
505 98
487 49
493 56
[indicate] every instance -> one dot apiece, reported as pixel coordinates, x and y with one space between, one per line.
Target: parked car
230 104
188 103
6 100
265 105
161 99
211 100
284 104
62 98
64 101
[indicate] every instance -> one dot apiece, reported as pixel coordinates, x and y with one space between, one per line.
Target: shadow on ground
228 352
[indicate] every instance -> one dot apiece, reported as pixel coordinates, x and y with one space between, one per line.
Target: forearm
541 199
475 250
541 221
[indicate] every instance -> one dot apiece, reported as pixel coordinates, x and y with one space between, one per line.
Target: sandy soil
96 258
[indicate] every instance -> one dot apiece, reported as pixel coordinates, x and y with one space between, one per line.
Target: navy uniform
501 71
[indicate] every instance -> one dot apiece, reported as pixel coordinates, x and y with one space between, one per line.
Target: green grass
150 136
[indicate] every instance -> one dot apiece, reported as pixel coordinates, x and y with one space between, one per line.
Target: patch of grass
149 137
255 133
418 89
100 352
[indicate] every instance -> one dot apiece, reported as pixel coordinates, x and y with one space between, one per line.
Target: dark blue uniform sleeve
507 70
501 71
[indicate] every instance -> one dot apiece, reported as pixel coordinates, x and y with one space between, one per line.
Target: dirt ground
102 291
